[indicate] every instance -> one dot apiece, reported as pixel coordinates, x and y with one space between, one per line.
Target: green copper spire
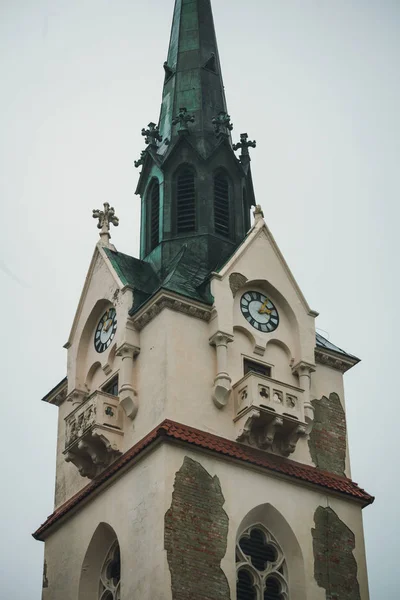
193 79
196 194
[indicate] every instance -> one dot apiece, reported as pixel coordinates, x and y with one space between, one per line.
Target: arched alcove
100 574
268 518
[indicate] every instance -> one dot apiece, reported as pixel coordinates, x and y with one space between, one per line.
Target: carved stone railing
93 435
269 414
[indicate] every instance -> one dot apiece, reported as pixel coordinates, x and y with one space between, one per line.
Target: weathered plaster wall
136 504
327 440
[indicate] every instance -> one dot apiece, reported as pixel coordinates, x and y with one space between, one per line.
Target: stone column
127 393
222 382
303 370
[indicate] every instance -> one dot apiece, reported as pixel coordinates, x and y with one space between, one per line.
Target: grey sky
316 83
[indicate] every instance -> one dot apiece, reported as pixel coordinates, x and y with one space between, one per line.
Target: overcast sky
316 83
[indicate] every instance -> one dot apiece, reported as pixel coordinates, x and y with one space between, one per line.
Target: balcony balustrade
269 414
93 436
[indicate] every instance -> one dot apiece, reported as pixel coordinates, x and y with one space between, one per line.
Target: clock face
105 330
259 311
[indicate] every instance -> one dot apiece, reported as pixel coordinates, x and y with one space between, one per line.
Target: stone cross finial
151 135
139 162
244 146
106 217
183 118
222 124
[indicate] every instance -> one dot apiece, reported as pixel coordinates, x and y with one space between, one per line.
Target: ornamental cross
151 135
244 145
222 124
183 118
106 217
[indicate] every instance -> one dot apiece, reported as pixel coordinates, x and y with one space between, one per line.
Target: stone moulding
334 361
175 303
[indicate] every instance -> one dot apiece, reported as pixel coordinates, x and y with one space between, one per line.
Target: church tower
202 450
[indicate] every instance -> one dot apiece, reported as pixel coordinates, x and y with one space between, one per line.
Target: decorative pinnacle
244 145
222 124
106 217
139 162
151 135
183 118
258 214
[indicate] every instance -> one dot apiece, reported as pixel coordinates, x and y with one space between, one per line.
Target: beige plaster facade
177 359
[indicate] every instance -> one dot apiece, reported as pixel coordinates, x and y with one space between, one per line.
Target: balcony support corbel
222 381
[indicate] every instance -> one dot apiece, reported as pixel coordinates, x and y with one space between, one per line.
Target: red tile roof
170 431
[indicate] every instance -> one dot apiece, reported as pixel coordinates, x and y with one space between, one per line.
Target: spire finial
183 118
151 135
106 217
244 146
222 124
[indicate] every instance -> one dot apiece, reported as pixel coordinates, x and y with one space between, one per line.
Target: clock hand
264 310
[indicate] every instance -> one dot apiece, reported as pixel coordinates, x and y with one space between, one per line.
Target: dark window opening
244 587
246 211
185 202
272 590
112 387
256 548
256 367
221 205
154 215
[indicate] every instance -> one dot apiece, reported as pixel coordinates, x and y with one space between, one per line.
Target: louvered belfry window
261 567
154 214
221 205
185 201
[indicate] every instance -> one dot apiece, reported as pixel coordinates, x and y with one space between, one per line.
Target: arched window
154 214
101 568
221 205
185 201
261 566
110 575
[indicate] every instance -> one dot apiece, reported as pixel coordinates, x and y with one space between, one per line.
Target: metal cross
244 145
183 118
106 217
151 135
222 124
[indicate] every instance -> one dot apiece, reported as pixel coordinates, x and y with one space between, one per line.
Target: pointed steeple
196 194
193 78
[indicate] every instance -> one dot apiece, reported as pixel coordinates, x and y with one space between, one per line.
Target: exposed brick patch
196 531
335 568
236 281
45 580
327 440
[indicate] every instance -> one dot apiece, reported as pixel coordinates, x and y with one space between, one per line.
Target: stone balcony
93 435
269 414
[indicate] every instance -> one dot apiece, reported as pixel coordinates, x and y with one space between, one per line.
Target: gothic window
110 575
154 214
221 205
185 201
261 567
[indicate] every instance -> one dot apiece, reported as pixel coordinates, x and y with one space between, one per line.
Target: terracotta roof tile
202 439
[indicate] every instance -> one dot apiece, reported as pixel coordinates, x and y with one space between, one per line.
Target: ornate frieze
164 301
93 434
334 361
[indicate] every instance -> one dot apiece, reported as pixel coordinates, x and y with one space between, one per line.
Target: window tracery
110 575
261 566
